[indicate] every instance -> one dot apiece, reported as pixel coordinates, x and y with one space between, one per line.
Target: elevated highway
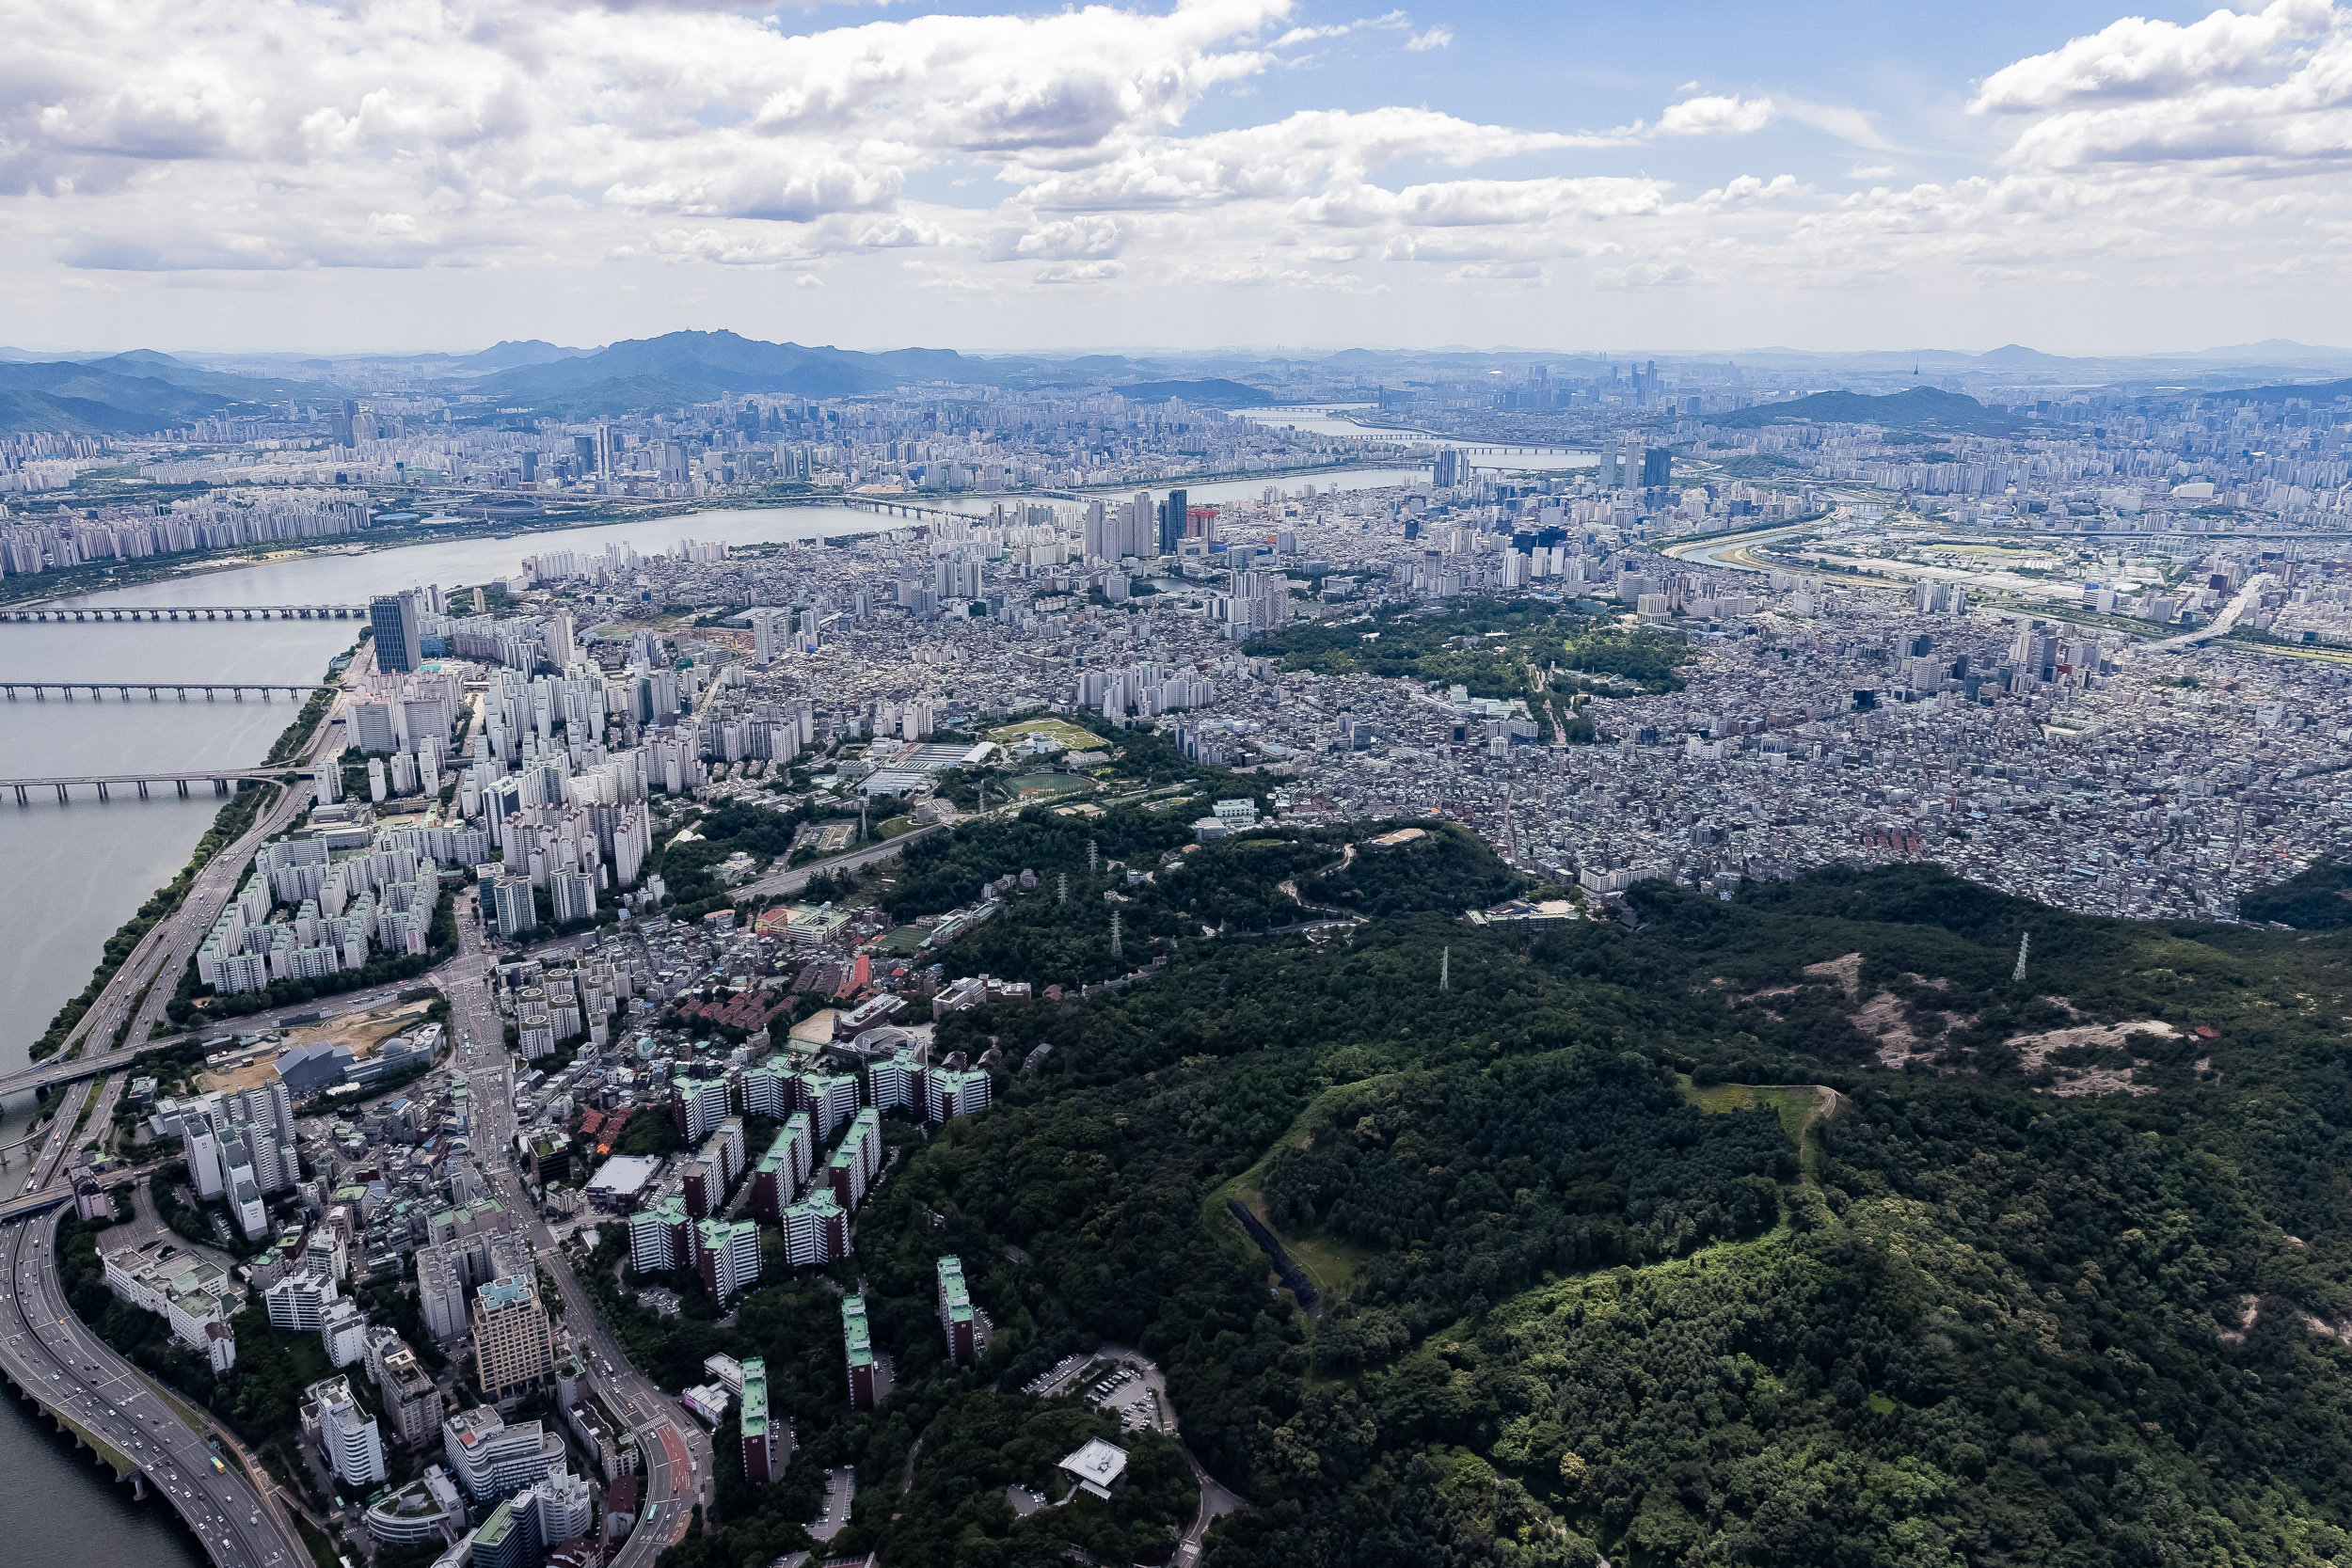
88 1390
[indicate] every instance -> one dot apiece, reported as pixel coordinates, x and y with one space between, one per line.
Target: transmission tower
1115 946
2025 940
1445 969
1089 857
1061 887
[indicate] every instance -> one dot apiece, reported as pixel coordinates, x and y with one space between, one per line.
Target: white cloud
686 148
1715 116
2268 94
1080 271
2137 58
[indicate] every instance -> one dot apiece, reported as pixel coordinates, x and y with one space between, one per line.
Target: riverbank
234 818
94 578
242 809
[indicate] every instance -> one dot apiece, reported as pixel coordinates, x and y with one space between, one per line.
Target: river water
77 871
1328 418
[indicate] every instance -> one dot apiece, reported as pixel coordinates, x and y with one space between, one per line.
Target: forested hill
1788 1231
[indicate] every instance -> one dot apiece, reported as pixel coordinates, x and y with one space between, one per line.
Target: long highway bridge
156 689
183 612
223 779
890 508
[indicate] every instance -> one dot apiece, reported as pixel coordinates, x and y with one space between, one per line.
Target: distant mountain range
143 391
126 394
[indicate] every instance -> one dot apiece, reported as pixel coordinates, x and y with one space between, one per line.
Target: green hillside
1918 408
1628 1242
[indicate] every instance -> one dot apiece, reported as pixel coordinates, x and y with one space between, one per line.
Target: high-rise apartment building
816 1230
516 912
857 1347
726 1252
345 1433
412 1403
955 1313
767 1439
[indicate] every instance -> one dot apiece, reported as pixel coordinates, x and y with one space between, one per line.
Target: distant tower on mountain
1445 969
2025 942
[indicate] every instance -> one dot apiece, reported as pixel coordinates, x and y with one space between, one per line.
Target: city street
676 1452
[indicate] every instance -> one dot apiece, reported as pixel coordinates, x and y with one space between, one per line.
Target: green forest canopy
1486 646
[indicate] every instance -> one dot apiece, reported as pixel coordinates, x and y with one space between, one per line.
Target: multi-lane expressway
49 1354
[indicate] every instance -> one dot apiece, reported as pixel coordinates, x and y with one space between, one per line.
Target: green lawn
1799 1106
1062 730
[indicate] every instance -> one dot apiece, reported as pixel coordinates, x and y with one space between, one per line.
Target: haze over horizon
423 175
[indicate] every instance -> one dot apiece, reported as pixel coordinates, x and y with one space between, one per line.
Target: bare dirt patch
2034 1054
1882 1019
1845 973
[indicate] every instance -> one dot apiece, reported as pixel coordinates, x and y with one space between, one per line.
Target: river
1330 419
81 869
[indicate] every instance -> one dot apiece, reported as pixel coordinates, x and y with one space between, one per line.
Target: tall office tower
608 451
1172 515
1657 468
513 1344
394 618
346 417
1446 472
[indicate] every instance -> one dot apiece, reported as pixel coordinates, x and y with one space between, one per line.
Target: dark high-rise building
346 417
1172 517
394 618
1657 468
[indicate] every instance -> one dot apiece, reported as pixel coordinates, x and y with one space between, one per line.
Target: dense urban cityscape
630 815
1194 784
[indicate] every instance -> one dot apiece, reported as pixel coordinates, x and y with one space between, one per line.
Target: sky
401 175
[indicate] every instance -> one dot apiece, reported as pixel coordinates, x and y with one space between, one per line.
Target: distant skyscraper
1446 472
1172 518
1658 467
394 618
347 415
